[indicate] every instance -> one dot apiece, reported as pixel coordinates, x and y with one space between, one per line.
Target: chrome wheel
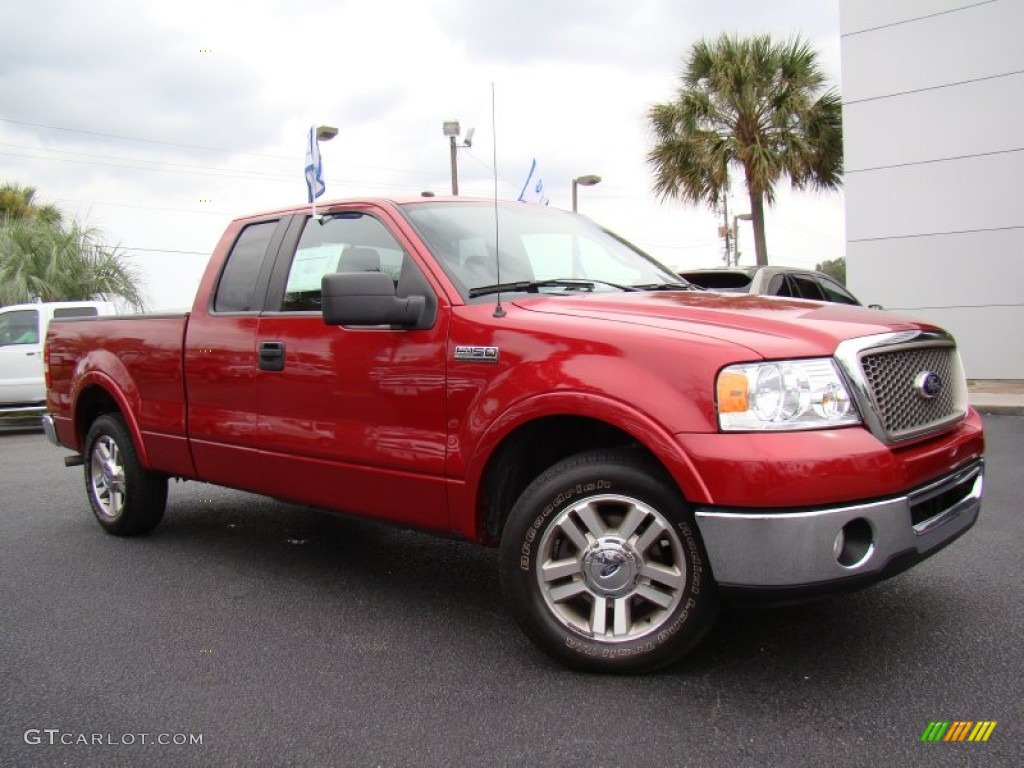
126 497
106 473
611 567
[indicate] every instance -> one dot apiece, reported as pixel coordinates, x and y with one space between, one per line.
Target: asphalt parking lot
246 631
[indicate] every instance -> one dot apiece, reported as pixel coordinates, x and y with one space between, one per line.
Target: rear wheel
603 566
126 498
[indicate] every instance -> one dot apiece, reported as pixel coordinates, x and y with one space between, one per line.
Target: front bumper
820 550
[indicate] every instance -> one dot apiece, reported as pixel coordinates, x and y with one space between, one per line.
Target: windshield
543 250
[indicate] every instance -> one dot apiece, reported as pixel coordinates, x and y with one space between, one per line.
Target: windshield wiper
534 286
668 287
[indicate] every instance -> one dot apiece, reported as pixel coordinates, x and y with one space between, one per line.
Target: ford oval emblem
927 384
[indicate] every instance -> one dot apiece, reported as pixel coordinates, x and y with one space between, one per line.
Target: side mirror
367 298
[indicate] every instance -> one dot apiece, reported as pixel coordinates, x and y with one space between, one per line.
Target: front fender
616 413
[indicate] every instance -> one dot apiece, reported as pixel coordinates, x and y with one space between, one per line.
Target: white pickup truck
22 331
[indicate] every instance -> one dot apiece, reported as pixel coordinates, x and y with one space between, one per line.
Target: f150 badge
466 354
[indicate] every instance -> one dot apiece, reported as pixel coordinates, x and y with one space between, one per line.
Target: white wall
933 121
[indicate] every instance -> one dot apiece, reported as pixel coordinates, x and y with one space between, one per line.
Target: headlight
783 395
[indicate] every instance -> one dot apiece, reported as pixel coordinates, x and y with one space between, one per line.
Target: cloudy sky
159 122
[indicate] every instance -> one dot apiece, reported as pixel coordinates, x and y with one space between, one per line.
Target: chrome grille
902 409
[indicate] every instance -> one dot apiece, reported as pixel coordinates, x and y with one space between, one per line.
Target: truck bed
144 354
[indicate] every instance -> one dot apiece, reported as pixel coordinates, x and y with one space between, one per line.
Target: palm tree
43 261
16 202
754 103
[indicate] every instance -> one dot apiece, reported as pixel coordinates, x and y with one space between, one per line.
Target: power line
85 132
143 207
190 170
139 139
693 246
201 171
157 250
805 233
92 156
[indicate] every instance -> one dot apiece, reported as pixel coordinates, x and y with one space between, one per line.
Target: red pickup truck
522 378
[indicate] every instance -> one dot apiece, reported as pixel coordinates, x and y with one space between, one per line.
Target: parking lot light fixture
587 180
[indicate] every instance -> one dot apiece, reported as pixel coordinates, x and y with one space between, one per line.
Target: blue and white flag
533 189
314 167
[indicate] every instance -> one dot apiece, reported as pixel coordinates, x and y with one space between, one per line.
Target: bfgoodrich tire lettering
126 498
603 567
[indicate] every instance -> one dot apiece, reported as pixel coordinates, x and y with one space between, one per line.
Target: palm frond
44 260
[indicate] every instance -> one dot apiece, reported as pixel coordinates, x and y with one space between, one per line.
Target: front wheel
603 566
126 498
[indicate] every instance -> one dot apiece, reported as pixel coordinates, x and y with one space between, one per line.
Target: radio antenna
499 311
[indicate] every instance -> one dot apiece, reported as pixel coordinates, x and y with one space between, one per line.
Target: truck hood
769 326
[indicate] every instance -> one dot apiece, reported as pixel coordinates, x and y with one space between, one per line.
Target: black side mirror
367 298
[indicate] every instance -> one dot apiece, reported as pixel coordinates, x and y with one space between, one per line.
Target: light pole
736 234
452 129
587 180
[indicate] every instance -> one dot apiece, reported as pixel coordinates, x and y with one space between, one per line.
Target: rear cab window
75 312
236 289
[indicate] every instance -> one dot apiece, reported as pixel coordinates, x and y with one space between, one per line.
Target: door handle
271 356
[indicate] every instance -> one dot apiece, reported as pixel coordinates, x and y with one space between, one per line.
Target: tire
603 566
126 498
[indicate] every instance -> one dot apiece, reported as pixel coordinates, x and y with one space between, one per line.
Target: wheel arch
97 395
522 445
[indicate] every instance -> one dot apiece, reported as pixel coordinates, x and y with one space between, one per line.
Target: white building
933 120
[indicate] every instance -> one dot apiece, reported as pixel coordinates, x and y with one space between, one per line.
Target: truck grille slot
933 505
936 505
903 409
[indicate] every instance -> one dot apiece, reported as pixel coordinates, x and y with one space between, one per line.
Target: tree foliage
42 258
834 268
16 202
753 103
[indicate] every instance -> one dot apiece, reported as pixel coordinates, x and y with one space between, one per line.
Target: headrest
357 259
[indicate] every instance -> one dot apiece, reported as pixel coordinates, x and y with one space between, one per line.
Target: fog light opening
854 543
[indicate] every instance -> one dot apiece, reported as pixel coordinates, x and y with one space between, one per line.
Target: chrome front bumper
818 548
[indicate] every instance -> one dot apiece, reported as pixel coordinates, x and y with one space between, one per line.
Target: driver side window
346 242
19 327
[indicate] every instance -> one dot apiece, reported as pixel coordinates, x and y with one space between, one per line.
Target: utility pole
725 230
452 129
725 226
736 235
